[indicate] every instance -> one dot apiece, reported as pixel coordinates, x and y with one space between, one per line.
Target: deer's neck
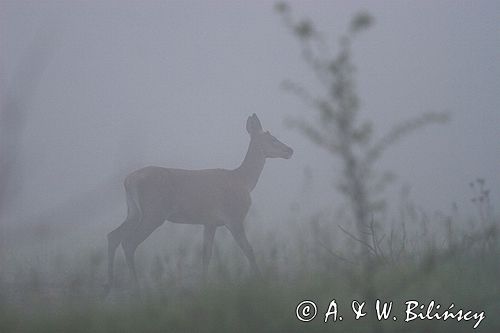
250 169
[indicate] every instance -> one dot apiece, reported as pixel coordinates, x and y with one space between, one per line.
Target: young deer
212 197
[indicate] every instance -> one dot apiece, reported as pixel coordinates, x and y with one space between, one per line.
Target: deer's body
211 197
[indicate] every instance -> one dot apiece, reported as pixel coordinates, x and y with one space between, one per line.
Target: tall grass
457 265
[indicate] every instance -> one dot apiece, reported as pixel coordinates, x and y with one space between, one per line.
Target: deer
209 197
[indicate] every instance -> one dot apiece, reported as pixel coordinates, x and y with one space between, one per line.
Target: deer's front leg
208 241
239 235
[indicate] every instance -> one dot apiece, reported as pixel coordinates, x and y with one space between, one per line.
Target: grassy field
172 298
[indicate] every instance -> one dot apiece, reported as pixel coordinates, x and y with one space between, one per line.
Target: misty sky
135 83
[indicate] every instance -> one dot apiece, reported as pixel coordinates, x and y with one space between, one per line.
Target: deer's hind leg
116 237
208 241
136 236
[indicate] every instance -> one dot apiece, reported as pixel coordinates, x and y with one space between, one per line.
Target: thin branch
336 255
358 240
299 91
401 130
308 130
317 65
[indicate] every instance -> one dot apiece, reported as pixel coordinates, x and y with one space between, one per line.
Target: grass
54 283
241 304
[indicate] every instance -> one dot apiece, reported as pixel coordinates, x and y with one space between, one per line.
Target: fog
129 84
102 88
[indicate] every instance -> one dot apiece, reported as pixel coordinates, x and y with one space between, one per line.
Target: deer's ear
253 124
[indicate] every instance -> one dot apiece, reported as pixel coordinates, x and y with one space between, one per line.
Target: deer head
265 141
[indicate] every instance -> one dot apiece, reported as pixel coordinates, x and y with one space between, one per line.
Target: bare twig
358 240
336 255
